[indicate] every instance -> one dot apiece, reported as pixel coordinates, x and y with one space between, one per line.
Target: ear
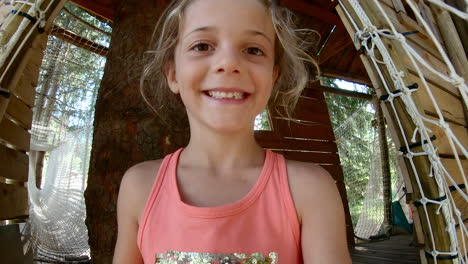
276 73
171 77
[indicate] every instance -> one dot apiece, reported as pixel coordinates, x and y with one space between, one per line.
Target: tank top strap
262 221
166 164
286 197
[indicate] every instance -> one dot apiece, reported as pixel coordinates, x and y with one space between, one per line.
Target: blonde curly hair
297 66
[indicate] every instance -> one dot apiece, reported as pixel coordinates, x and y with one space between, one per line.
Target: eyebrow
250 32
200 29
259 33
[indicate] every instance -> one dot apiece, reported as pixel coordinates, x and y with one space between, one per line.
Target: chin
231 127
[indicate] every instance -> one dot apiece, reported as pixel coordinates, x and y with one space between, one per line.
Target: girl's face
224 63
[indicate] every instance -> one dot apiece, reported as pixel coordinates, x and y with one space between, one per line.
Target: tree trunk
125 131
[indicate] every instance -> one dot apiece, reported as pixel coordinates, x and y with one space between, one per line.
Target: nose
228 60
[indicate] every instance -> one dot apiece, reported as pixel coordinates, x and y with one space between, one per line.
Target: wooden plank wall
447 96
309 138
15 136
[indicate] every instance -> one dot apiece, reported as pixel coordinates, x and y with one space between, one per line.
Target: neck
222 151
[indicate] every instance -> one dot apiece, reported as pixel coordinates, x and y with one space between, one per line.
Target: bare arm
126 249
320 210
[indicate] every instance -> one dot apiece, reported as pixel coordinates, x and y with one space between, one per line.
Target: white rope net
359 150
371 39
62 129
364 190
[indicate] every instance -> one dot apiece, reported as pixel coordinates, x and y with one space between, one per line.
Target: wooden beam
460 24
349 76
85 23
20 112
399 6
332 90
14 134
314 157
14 202
452 40
13 164
311 10
92 6
270 139
293 129
78 41
339 41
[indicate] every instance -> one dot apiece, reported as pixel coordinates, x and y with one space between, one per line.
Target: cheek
266 77
190 83
190 73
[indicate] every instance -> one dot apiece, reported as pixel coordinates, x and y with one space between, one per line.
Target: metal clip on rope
4 92
404 149
28 16
398 92
418 203
448 257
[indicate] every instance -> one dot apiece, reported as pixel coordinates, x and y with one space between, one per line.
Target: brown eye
201 47
255 51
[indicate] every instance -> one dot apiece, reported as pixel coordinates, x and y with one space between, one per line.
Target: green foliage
262 122
340 107
352 122
67 87
70 76
67 21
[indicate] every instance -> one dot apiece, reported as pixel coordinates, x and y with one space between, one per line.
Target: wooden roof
336 53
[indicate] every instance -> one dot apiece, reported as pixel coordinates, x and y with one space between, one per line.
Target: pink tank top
262 226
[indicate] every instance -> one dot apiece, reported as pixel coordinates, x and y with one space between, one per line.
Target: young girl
222 198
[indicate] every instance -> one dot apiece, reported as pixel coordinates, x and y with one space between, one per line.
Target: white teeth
222 95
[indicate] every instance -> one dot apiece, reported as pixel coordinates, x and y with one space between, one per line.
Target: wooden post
461 25
453 44
429 18
451 40
348 93
385 163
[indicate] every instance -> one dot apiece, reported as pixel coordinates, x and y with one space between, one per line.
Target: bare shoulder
305 171
142 173
309 184
136 185
134 191
320 211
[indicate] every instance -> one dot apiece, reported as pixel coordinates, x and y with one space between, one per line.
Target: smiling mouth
227 95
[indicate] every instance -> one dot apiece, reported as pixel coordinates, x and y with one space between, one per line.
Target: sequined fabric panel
176 257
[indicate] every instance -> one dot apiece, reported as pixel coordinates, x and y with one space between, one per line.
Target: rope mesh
359 150
371 39
62 129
